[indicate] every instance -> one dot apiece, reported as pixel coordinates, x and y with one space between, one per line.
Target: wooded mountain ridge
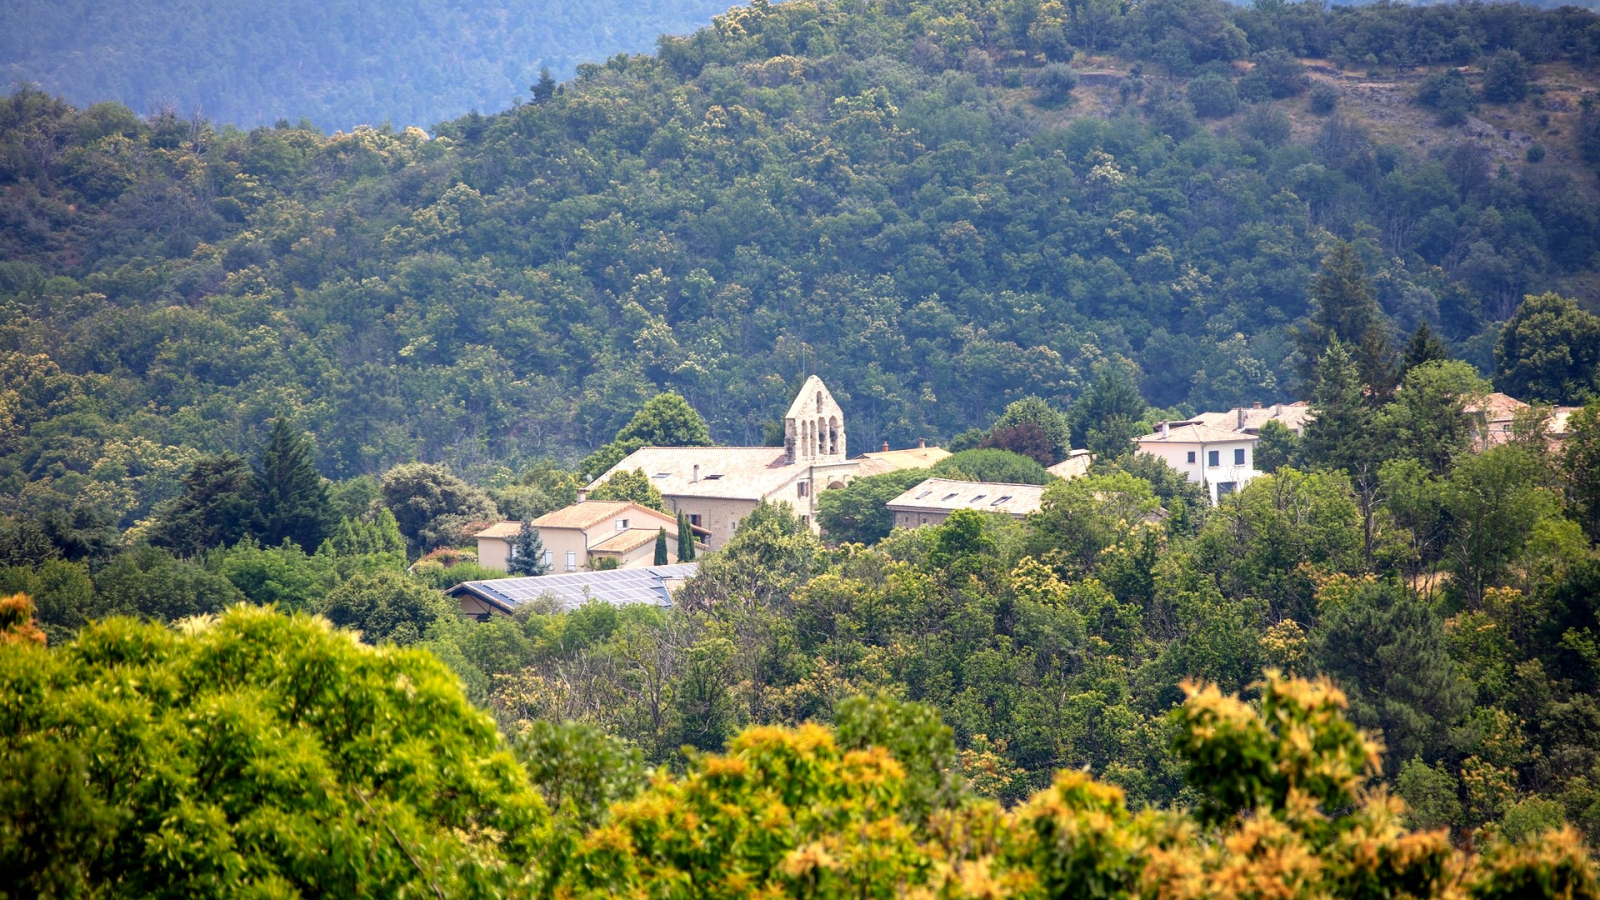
940 207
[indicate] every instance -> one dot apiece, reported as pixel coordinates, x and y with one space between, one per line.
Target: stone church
718 486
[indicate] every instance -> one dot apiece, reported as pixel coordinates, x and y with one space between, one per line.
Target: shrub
1505 77
1055 83
1213 97
1324 98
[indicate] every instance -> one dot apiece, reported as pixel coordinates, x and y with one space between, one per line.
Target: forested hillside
336 65
938 207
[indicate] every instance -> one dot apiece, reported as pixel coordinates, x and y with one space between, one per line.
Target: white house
1222 460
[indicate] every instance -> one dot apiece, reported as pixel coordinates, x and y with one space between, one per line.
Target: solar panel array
569 590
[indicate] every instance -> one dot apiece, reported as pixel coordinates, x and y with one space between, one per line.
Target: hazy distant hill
338 63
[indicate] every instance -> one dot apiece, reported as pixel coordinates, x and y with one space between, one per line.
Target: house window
694 519
622 524
1238 457
1191 457
802 488
572 561
1224 488
1213 458
806 521
548 559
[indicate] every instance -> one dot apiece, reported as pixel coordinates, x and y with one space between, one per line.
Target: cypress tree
529 556
291 499
685 539
661 547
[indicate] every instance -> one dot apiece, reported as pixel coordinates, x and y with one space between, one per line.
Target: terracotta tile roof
1294 416
1498 406
946 495
1076 465
884 461
730 473
581 516
590 513
1195 434
500 530
626 541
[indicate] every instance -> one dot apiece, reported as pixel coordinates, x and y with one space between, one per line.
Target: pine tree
1344 310
1424 346
528 558
685 538
291 499
545 87
661 547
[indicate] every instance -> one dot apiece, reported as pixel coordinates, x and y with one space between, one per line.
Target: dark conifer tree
1343 309
1424 346
661 547
291 498
529 556
685 538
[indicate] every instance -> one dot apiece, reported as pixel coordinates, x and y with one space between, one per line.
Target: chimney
1166 430
1277 410
696 474
922 443
1256 405
1241 418
886 446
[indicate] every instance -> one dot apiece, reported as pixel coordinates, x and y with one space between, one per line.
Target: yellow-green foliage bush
260 754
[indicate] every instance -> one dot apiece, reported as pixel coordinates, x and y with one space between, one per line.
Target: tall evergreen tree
291 498
1344 432
213 510
685 538
1423 347
528 558
1344 309
661 547
1106 418
1580 468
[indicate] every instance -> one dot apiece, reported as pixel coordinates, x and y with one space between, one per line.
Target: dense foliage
875 191
205 763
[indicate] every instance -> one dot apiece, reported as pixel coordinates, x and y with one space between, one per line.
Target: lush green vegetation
276 368
263 754
334 64
876 191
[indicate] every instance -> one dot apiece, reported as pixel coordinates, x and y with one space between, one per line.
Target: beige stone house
932 501
580 535
718 486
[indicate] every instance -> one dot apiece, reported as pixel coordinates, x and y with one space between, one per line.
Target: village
607 550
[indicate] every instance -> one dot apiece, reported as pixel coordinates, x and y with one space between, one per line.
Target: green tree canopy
233 767
635 486
856 513
991 464
431 504
1549 351
213 510
291 499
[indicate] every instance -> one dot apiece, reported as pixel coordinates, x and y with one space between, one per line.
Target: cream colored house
1222 460
932 501
718 486
583 533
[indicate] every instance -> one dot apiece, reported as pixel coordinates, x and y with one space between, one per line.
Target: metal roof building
651 585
